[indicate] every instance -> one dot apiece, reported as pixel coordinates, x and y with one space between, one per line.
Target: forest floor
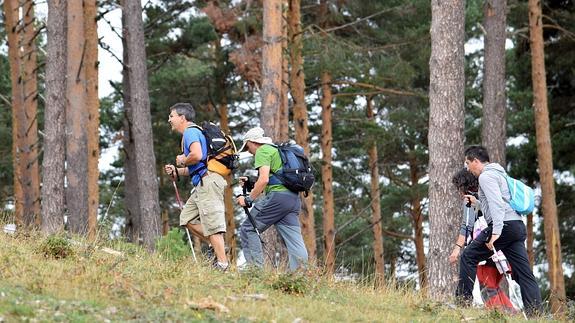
48 280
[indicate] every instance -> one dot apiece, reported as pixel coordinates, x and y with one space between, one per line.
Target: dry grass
89 285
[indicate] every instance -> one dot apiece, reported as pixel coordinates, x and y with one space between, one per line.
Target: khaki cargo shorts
206 205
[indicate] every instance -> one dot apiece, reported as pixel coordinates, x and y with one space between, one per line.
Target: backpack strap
275 178
204 161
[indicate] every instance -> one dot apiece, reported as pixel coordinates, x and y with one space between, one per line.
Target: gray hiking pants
282 210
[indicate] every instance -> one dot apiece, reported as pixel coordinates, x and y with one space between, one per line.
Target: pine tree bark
53 163
545 161
133 227
76 121
493 131
93 105
31 180
271 67
225 125
446 123
283 118
375 203
271 101
417 221
148 194
297 84
11 17
529 242
327 173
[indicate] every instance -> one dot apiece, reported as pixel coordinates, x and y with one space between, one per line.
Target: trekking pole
181 208
249 215
503 268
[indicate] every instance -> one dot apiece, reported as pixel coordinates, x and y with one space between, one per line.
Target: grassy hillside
48 280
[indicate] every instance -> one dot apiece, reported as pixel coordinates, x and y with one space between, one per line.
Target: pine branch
5 99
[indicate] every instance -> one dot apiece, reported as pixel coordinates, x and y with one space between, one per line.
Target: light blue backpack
522 196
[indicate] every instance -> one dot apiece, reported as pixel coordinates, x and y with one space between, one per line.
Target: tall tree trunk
544 157
530 251
31 180
225 125
271 99
271 67
11 14
228 193
375 203
326 146
133 226
417 220
53 163
326 173
283 118
493 132
446 123
142 125
93 104
76 121
297 84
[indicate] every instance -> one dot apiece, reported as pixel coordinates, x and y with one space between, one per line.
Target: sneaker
223 267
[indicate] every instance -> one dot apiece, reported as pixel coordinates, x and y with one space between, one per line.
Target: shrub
291 283
56 246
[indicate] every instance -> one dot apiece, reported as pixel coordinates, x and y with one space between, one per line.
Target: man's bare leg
217 241
196 230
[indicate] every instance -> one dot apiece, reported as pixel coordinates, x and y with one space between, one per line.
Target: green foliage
56 246
172 246
291 283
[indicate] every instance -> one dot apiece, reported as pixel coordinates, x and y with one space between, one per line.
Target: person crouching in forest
204 212
279 206
472 223
505 231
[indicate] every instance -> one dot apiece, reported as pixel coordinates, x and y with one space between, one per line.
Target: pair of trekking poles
246 210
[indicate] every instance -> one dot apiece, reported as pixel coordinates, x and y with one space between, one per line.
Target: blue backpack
296 173
522 196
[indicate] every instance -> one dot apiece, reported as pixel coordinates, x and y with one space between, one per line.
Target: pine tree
53 163
446 98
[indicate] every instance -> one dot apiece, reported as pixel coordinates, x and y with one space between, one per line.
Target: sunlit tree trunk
53 163
283 118
147 179
31 180
375 203
93 104
446 123
327 173
76 122
417 221
493 132
11 17
271 68
300 119
271 99
545 161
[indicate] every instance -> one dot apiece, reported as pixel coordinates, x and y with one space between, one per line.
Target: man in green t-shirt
279 206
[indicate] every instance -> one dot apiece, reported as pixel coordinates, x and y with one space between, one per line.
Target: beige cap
255 135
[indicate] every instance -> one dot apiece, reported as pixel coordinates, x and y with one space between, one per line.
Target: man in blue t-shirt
204 212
